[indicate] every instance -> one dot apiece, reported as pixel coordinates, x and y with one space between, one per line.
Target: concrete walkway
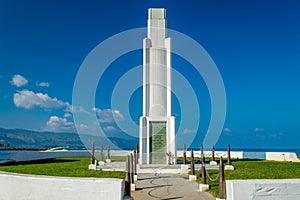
167 186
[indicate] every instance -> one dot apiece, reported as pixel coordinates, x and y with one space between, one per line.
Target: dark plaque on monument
158 142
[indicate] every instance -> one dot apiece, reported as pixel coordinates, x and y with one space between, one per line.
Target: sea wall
277 156
263 189
233 154
281 156
34 187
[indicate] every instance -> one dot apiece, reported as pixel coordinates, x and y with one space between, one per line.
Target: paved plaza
167 186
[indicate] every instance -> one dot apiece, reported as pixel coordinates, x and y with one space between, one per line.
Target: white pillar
157 93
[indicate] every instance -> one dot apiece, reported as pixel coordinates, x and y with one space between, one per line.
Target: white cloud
57 124
83 126
109 129
75 109
188 131
258 129
66 115
43 84
28 99
279 134
18 80
109 115
227 130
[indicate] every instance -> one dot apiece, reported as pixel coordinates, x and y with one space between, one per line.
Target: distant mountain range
22 138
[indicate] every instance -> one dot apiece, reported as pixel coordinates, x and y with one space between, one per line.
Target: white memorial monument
157 125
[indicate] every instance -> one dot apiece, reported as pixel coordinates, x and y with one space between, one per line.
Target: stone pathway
155 186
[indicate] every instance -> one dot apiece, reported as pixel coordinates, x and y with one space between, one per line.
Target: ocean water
4 155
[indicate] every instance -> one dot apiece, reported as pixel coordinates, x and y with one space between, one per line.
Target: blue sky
255 45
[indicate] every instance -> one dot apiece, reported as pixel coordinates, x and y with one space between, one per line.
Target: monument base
213 163
101 163
160 148
229 167
203 187
192 177
132 187
93 167
135 178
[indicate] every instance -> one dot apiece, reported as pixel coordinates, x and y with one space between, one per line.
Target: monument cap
157 13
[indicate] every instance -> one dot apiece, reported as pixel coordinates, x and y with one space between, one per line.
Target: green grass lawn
254 169
70 167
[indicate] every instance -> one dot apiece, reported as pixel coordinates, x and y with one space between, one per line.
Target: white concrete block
135 178
229 167
132 187
184 169
92 167
101 163
203 187
192 177
213 163
263 189
34 187
108 161
281 156
207 154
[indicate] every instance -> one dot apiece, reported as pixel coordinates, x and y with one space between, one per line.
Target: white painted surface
33 187
281 156
207 154
184 169
135 178
92 167
203 187
229 167
263 189
213 163
132 187
157 83
192 177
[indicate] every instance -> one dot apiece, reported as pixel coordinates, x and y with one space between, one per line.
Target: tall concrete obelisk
157 126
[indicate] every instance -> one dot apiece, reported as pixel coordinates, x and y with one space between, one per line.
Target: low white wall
32 187
233 154
281 156
263 189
